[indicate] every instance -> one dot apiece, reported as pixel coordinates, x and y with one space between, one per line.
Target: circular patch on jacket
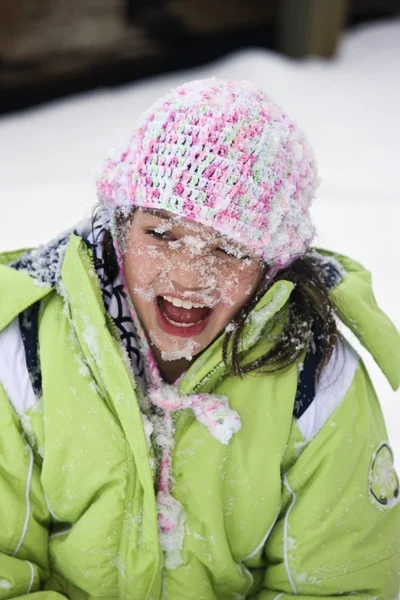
383 480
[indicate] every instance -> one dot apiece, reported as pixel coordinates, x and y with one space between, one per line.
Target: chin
173 348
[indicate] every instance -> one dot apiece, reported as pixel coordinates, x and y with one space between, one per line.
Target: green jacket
293 506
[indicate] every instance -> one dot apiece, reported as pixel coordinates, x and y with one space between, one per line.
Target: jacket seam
32 577
27 501
52 536
285 534
258 548
362 567
122 584
52 513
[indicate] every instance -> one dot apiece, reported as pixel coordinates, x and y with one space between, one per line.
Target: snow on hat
222 154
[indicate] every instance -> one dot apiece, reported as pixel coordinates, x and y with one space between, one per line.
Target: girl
180 417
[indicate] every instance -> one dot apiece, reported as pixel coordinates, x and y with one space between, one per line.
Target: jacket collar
30 275
18 292
357 308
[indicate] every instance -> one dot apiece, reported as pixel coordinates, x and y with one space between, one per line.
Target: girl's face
186 281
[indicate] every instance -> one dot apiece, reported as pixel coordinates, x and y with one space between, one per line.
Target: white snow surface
349 107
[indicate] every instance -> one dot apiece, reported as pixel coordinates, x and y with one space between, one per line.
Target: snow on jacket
302 501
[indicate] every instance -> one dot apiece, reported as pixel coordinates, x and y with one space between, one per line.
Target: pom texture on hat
220 153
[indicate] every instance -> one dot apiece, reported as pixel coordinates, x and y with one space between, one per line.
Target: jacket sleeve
24 516
338 533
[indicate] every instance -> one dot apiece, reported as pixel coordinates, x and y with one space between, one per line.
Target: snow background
349 107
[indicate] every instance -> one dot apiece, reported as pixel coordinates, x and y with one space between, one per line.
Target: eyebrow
160 214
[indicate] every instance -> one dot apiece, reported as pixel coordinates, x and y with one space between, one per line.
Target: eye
231 253
161 235
226 252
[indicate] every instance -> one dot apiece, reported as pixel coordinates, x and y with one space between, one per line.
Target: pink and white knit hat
220 153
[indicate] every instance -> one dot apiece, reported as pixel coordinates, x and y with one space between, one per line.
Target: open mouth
181 317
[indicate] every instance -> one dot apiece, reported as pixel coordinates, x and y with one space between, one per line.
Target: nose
191 273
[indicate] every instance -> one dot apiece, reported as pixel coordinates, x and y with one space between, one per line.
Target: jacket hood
19 290
357 308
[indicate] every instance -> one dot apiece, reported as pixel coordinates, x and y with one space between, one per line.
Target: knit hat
222 154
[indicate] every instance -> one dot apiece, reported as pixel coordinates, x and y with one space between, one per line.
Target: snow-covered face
186 281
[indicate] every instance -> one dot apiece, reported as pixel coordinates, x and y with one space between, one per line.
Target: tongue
183 315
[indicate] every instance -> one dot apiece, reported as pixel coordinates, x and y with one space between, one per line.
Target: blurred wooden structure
311 27
49 48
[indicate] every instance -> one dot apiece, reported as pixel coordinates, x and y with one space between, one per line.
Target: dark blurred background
53 48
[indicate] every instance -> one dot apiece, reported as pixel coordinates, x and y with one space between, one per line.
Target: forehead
173 220
165 215
190 227
209 234
159 213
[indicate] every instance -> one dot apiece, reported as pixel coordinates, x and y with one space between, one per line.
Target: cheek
236 286
142 264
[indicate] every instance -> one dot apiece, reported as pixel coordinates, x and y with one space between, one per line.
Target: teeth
179 324
183 303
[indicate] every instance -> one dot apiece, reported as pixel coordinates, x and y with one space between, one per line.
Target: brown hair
311 312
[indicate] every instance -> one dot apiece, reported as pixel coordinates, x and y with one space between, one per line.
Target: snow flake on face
190 348
146 293
194 245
